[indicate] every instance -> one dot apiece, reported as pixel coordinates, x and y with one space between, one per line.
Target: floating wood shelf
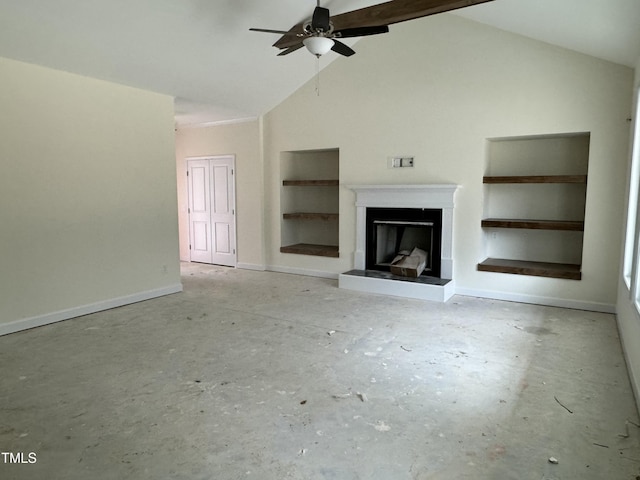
310 249
310 216
575 226
310 183
538 269
536 179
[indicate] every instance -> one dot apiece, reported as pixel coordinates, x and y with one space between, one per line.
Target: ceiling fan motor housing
321 20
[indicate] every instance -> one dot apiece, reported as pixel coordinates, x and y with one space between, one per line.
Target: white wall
243 141
88 214
627 315
436 89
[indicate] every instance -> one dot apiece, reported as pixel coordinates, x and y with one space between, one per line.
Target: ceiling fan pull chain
318 76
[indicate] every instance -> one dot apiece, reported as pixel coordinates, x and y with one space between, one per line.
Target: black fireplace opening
393 231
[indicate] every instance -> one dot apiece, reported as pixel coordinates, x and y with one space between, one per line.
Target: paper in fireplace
409 264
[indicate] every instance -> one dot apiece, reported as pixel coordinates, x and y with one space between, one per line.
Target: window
631 259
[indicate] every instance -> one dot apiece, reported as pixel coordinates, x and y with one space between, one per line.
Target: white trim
217 123
538 300
302 271
48 318
625 352
251 266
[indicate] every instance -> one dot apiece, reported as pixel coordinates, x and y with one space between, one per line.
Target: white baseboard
538 300
633 378
302 271
251 266
46 319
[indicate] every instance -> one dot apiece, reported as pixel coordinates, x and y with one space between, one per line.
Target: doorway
212 225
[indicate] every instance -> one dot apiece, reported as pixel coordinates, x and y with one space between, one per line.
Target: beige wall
88 214
628 317
243 141
436 89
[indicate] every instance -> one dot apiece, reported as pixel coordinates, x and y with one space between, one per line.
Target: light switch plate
400 162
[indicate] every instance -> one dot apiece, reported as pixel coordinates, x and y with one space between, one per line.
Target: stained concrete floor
255 375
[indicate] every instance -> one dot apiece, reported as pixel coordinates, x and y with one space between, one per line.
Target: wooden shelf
310 183
575 226
537 179
538 269
310 216
310 249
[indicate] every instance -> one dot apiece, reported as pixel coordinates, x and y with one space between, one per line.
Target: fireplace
393 218
394 231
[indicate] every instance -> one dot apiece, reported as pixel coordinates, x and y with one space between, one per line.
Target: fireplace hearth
395 218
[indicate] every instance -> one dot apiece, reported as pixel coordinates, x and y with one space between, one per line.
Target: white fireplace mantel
436 196
439 195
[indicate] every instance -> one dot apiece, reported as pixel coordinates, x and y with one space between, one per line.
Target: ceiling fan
321 33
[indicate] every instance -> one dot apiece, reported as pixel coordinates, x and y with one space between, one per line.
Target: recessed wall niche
309 202
534 205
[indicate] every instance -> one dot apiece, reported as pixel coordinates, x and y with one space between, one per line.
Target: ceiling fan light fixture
318 45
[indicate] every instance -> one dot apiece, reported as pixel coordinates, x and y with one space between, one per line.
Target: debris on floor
361 396
381 426
562 405
626 430
341 396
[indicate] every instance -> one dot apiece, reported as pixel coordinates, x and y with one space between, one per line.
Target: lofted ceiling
202 53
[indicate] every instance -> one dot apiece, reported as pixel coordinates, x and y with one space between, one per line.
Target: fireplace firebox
394 231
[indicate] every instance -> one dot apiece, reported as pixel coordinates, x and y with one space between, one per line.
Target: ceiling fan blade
287 51
266 30
320 19
342 49
286 41
397 11
361 31
387 13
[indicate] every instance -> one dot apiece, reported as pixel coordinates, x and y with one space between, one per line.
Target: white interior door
212 228
223 212
199 180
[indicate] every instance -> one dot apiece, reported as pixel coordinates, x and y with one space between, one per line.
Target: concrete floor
254 375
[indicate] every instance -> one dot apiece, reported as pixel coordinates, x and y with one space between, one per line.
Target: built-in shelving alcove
534 205
309 202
